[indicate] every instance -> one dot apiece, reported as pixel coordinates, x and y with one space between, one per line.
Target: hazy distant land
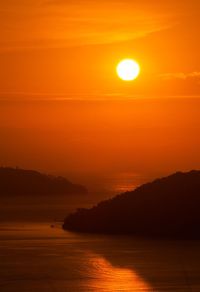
15 181
166 207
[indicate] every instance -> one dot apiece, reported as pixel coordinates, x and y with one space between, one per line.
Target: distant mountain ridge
16 181
168 207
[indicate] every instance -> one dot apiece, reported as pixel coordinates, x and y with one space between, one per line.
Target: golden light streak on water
106 277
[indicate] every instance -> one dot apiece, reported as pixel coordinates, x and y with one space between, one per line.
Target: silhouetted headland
15 181
167 207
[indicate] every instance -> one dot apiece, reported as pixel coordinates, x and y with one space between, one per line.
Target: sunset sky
63 107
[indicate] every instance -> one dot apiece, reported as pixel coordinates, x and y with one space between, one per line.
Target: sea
37 255
43 257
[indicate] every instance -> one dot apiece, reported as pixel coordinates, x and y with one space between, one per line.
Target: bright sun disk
128 70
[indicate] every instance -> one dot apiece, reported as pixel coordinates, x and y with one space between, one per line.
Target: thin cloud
180 75
57 24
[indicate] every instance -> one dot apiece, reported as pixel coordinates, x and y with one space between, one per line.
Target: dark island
167 207
15 181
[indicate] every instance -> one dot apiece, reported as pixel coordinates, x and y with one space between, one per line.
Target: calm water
51 208
36 257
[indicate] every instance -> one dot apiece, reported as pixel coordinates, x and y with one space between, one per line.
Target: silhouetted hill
15 181
168 206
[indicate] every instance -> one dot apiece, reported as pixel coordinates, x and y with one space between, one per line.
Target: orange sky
62 106
51 46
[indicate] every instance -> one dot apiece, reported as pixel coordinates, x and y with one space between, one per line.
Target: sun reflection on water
103 276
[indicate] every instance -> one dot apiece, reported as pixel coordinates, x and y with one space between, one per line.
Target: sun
128 70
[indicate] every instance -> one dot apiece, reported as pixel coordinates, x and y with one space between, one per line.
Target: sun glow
128 70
